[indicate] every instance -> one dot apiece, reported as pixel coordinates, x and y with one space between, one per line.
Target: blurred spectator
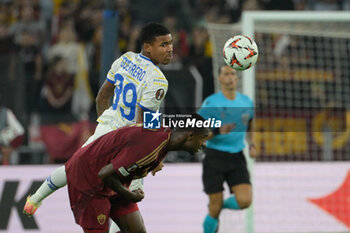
279 5
86 18
66 47
26 57
5 50
78 65
125 27
30 23
200 56
325 5
252 5
11 134
7 15
95 61
58 88
63 17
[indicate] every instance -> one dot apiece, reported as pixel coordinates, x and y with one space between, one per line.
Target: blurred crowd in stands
50 50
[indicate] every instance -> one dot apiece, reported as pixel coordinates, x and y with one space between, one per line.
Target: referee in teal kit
224 159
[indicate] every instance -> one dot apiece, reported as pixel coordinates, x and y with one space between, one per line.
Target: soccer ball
240 52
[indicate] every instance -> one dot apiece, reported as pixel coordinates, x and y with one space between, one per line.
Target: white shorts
101 129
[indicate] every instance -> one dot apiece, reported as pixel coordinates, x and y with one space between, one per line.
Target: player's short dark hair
150 31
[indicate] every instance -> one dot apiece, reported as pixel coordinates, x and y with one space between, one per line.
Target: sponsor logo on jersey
151 120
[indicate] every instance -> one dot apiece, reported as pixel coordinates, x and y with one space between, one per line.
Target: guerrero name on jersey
138 82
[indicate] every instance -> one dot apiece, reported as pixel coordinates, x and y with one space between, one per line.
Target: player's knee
244 201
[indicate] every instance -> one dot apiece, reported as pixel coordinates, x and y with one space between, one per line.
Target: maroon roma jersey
133 151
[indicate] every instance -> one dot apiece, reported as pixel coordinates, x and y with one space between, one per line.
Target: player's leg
101 129
127 216
131 223
213 178
239 183
242 197
56 180
135 184
90 212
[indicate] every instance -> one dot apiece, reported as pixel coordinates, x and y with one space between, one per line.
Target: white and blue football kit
138 82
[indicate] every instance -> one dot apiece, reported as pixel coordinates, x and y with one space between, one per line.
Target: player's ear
147 47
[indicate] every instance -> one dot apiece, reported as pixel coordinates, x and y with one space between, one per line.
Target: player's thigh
213 179
242 190
94 215
126 215
89 212
237 176
131 223
214 168
101 129
238 172
243 194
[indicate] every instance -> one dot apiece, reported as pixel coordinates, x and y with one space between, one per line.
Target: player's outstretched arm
104 96
111 180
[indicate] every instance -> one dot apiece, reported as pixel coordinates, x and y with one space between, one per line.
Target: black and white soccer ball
240 52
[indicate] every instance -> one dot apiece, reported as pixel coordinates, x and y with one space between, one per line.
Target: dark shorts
219 166
93 213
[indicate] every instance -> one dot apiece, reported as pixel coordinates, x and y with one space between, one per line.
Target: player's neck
148 56
177 139
229 94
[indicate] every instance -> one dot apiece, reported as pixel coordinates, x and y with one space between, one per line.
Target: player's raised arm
104 96
110 179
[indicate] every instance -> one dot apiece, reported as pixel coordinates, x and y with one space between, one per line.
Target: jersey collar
148 59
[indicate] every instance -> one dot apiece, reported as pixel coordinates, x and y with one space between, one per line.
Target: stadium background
301 177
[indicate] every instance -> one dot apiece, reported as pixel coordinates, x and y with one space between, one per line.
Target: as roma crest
101 219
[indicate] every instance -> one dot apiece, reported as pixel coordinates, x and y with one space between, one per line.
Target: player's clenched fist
137 195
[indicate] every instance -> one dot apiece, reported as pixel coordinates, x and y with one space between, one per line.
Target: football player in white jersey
136 84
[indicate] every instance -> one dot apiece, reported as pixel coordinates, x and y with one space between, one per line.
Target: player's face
196 141
228 78
161 50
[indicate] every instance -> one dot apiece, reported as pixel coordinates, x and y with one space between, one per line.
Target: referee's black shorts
219 166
